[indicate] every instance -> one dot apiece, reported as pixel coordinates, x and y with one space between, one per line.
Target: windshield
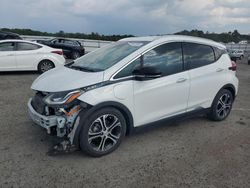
107 56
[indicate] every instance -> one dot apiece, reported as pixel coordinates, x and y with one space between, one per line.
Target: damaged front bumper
44 121
63 121
64 124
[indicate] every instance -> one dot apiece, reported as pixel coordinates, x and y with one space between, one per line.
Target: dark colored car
8 35
72 49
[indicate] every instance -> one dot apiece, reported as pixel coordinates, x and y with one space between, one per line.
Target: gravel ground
191 153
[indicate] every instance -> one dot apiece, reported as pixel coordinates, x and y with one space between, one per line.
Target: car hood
65 79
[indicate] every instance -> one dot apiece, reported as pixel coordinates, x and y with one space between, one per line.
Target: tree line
225 37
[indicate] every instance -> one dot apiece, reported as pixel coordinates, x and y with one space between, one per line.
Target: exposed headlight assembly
62 97
67 97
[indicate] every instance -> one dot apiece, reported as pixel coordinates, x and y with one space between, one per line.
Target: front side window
7 46
23 46
167 58
128 70
108 56
198 55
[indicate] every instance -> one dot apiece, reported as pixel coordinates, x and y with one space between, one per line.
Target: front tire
102 132
45 65
221 106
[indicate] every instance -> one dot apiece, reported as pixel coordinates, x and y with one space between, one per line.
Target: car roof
19 40
177 38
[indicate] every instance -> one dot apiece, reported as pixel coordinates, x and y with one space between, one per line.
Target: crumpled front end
57 119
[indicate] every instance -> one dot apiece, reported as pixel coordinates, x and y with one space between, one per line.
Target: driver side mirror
146 73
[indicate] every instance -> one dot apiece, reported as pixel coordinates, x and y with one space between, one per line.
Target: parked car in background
99 98
243 42
237 54
20 55
8 35
72 49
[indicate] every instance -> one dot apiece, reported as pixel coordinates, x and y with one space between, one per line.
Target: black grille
38 104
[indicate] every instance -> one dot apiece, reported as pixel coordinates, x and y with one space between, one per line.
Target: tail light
57 52
233 67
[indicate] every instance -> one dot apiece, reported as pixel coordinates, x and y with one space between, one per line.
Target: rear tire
221 106
45 65
102 132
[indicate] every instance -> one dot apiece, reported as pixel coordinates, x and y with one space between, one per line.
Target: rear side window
23 46
7 46
198 55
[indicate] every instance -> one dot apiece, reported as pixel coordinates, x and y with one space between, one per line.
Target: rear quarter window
219 52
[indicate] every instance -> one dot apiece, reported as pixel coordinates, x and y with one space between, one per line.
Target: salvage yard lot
191 153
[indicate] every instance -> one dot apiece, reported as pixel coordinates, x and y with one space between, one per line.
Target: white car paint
151 100
28 59
75 79
140 80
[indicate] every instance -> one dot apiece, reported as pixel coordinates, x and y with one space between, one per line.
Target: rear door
7 56
28 56
206 74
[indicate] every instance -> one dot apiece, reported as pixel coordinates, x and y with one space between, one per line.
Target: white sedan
20 55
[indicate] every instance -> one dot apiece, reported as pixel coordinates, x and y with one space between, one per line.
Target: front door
165 96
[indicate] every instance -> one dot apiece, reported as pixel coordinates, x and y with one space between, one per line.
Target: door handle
219 70
180 80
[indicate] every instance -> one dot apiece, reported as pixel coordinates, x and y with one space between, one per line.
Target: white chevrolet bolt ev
21 55
96 100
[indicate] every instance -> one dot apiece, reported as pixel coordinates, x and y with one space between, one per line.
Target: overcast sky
137 17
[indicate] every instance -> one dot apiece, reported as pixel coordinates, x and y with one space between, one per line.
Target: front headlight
62 97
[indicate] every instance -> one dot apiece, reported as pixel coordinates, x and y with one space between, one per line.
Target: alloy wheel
45 66
104 132
224 105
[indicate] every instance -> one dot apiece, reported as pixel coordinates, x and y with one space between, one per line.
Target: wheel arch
231 88
123 109
45 59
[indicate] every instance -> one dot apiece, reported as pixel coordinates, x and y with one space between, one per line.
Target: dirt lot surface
190 153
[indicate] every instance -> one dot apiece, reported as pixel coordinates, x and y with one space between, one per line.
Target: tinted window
7 46
22 46
167 58
71 43
127 71
197 55
219 52
56 41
